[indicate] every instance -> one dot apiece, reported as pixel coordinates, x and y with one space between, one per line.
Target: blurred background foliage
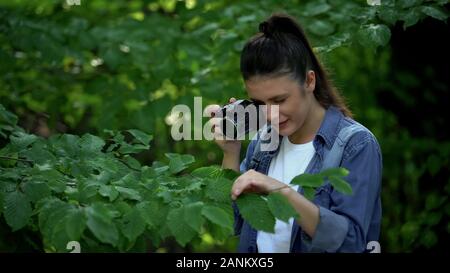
86 66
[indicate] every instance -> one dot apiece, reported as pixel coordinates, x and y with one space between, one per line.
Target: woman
280 68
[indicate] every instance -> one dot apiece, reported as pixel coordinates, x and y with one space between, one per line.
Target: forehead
260 87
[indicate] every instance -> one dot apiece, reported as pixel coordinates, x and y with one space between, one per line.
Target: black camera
239 118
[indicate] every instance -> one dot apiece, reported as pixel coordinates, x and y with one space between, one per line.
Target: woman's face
294 100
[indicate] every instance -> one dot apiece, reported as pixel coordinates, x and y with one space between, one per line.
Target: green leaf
182 232
91 143
133 224
100 223
132 149
67 145
307 180
121 207
411 17
7 117
17 210
108 191
75 223
35 191
309 193
230 174
130 180
408 3
315 8
132 162
129 193
190 185
215 172
153 212
341 185
39 154
6 151
280 207
55 180
335 172
388 15
218 216
142 137
49 208
22 140
434 201
209 171
193 215
435 12
321 28
55 222
150 172
256 212
374 35
179 162
218 189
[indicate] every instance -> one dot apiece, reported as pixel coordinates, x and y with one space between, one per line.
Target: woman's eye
279 101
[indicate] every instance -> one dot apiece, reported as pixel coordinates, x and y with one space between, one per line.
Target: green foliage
334 175
280 207
87 191
17 210
256 211
115 73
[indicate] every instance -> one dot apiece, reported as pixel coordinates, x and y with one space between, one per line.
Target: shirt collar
329 128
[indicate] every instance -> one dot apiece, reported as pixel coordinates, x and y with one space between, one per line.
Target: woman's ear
310 82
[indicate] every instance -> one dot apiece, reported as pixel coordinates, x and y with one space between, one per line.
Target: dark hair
281 48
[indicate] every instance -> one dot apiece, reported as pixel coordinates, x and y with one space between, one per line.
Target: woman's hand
229 147
253 181
256 182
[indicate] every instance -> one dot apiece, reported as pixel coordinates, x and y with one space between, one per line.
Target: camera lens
239 118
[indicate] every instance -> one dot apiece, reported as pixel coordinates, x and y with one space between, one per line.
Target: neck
312 123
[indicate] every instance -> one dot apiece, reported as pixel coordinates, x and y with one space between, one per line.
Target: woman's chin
284 130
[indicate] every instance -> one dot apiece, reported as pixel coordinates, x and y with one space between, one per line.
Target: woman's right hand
229 147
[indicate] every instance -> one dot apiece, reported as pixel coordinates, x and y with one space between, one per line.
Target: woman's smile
283 124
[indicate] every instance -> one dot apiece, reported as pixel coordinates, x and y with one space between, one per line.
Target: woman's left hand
256 182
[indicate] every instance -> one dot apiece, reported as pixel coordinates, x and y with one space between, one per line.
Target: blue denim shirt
346 222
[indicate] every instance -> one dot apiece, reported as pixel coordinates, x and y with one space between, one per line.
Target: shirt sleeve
344 226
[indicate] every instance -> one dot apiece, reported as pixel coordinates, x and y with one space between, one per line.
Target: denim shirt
346 222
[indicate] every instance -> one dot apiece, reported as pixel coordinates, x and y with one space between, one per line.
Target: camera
239 118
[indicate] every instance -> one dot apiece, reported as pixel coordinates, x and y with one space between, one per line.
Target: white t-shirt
291 160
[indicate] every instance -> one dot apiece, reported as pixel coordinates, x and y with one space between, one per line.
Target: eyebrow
272 98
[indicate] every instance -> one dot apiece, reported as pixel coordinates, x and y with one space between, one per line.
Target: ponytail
281 48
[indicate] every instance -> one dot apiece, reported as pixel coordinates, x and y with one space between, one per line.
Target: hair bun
279 23
265 28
